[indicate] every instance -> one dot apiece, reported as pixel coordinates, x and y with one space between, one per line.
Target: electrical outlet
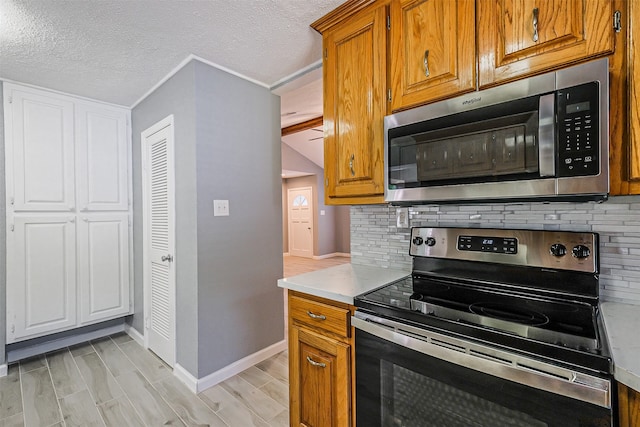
220 208
402 217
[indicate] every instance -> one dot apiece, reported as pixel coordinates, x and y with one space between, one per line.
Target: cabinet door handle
316 316
314 363
426 63
353 172
535 24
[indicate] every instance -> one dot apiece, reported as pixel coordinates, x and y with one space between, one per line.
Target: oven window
409 398
400 387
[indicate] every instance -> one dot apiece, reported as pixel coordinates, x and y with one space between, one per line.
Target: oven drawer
320 315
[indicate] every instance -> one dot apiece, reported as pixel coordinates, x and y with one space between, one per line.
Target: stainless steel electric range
494 327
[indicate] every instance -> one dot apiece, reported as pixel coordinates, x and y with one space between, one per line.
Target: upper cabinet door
354 108
432 50
102 160
634 93
39 149
522 37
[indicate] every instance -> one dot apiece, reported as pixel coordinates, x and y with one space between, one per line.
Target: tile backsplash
376 239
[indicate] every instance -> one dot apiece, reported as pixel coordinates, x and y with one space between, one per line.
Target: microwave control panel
578 130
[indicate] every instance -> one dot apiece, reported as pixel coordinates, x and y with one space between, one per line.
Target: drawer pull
426 63
314 363
316 316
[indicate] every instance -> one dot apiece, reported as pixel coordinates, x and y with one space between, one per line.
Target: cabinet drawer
320 315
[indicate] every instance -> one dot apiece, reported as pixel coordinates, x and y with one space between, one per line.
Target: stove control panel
566 250
497 245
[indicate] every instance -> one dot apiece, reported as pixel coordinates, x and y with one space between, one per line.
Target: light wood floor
294 265
115 382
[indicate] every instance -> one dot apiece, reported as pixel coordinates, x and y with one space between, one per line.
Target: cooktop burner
509 314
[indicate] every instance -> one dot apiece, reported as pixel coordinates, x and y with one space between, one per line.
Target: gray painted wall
227 146
240 308
176 96
3 241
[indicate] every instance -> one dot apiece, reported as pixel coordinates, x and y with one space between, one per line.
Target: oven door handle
499 363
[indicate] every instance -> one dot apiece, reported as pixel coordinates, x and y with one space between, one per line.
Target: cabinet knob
314 363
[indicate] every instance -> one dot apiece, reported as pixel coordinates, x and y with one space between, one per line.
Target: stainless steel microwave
542 138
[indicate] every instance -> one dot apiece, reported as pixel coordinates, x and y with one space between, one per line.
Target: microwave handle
546 135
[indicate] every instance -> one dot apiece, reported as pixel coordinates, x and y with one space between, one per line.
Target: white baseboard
285 254
230 370
185 376
3 370
335 254
133 333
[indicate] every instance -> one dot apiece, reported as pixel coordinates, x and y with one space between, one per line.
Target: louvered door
159 240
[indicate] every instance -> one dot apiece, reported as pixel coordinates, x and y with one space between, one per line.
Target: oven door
406 376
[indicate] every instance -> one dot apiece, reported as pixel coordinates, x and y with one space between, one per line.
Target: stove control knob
581 251
431 241
558 250
417 240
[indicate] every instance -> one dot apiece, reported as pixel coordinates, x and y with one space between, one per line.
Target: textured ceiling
116 50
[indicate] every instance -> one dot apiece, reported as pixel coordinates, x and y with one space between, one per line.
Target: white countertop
622 322
343 282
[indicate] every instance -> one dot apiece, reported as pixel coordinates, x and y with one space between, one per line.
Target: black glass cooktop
556 328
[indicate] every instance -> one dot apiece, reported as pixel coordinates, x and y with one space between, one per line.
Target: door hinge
11 201
326 182
389 95
617 21
12 227
10 99
388 22
13 329
326 53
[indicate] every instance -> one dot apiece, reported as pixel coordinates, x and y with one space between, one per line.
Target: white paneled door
102 161
159 239
40 151
300 222
43 262
103 266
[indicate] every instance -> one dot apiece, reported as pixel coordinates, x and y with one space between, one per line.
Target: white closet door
103 266
159 239
102 161
41 288
40 140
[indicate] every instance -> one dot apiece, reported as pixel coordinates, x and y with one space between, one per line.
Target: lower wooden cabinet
320 362
628 406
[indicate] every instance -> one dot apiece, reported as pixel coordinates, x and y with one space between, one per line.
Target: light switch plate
402 217
220 208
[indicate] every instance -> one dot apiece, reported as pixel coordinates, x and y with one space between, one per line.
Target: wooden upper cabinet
624 104
522 37
432 50
354 108
634 93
